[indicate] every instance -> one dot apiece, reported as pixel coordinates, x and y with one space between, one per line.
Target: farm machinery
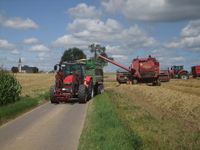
78 80
142 70
123 76
195 71
164 75
178 72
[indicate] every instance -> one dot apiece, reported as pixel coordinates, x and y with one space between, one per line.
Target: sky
39 31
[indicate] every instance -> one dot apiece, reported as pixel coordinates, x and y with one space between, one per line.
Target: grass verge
103 129
11 111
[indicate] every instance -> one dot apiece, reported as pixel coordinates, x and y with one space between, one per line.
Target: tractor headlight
67 89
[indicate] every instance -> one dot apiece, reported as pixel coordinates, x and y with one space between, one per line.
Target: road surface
48 127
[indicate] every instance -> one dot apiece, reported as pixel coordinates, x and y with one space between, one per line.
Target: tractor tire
52 99
82 94
100 89
184 76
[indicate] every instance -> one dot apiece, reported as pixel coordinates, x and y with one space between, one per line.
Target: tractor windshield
177 68
70 68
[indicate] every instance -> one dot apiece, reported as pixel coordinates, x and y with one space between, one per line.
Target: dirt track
48 127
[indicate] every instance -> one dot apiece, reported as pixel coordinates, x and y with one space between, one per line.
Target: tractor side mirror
55 68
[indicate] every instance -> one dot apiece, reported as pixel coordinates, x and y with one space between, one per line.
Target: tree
72 54
97 49
35 69
14 69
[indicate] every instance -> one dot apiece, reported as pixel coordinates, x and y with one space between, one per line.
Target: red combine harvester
164 75
178 72
143 70
196 71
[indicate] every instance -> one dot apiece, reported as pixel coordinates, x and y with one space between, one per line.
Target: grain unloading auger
142 70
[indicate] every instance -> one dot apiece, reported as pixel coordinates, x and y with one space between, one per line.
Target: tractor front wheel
52 99
82 94
184 76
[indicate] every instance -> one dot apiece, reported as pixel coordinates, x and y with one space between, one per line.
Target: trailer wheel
82 94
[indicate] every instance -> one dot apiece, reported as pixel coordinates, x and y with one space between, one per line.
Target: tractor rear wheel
82 93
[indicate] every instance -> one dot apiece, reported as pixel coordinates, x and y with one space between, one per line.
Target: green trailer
94 69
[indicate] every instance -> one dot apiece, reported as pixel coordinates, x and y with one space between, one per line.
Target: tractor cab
176 68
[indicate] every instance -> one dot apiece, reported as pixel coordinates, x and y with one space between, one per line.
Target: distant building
24 69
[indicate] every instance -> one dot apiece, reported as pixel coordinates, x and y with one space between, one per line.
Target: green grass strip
25 103
104 131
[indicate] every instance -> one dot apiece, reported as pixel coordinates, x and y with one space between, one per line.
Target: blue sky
40 31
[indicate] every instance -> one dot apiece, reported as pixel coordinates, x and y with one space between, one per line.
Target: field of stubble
165 117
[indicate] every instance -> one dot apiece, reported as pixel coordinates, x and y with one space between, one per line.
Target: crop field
165 117
33 84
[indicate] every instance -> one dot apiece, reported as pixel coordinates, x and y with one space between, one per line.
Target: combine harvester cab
142 70
76 80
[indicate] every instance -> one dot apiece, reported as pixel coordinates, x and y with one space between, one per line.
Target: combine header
143 70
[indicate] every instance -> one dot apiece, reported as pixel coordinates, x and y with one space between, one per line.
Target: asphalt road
48 127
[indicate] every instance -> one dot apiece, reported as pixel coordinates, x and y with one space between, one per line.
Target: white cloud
68 41
39 48
31 41
17 23
4 44
82 10
15 51
83 32
43 55
189 38
154 10
124 57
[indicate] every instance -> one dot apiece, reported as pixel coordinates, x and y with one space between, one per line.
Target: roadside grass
13 110
103 129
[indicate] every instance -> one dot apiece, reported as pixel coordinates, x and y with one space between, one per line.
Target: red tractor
143 70
178 72
71 82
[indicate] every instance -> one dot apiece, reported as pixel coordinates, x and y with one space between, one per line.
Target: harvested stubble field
165 117
34 84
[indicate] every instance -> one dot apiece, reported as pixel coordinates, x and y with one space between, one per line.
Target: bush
10 88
